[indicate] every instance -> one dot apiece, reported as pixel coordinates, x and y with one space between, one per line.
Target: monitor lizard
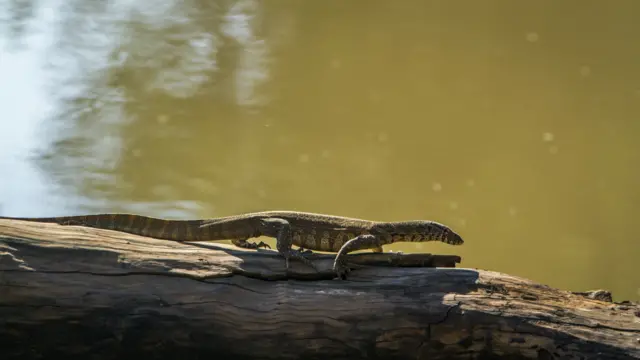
308 231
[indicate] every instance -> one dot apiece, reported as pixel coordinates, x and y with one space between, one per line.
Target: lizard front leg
360 242
281 230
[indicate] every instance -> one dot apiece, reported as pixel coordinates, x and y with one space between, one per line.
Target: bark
89 293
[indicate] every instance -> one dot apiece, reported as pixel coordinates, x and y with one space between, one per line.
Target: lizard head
453 238
421 230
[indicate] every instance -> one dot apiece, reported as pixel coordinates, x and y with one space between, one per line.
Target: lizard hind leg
243 243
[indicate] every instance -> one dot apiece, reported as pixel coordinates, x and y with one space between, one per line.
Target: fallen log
89 293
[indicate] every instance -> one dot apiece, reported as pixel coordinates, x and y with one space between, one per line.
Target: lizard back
310 230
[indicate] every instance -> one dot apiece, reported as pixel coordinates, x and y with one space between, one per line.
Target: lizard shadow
268 264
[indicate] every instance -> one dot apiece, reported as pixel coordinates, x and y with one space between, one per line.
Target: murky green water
516 124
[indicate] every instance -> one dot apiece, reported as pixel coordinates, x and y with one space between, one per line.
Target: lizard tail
177 230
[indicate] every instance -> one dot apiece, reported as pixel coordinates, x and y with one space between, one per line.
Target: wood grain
89 293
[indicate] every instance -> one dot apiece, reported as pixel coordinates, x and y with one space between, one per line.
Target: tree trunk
85 293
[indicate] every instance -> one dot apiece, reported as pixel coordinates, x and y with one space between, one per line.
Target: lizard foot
341 269
304 251
298 255
261 244
243 243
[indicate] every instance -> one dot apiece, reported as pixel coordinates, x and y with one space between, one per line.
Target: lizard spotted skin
306 230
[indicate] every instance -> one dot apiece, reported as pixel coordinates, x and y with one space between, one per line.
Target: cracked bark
80 292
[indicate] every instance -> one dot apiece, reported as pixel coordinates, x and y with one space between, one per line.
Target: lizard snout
454 239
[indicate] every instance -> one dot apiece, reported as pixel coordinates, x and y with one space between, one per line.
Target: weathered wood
90 293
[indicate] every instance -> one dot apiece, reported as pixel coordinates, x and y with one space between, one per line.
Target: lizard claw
262 244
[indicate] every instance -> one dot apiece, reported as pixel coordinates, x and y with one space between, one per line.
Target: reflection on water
517 126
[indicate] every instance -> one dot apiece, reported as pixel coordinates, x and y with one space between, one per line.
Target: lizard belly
323 240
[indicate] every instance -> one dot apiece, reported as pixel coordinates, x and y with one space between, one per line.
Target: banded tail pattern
177 230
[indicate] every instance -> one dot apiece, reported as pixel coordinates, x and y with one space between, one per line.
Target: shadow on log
89 293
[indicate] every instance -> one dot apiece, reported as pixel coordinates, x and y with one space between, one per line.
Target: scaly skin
306 230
